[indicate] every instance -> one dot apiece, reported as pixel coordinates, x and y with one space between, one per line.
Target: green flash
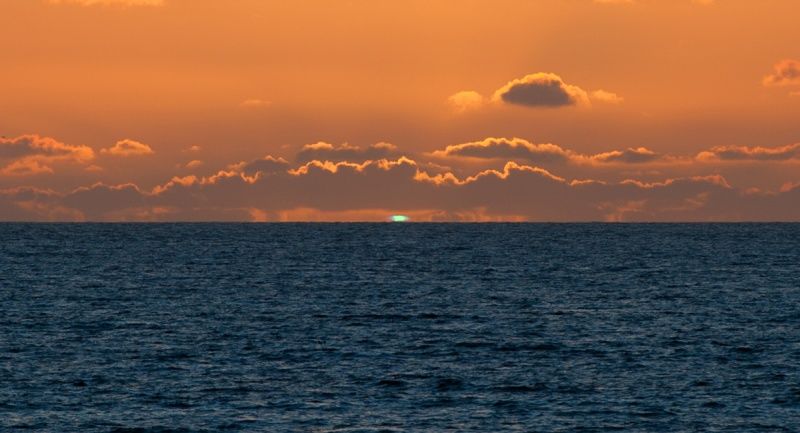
399 218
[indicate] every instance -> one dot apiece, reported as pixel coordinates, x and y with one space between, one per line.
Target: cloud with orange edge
541 90
518 149
321 190
266 165
34 154
507 149
128 147
537 90
746 153
345 152
639 155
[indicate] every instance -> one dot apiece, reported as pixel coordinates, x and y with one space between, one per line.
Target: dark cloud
541 90
328 152
265 165
101 199
517 149
507 149
34 154
34 204
746 153
35 145
317 189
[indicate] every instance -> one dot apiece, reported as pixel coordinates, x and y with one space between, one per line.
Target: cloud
34 204
372 190
507 149
608 97
25 167
466 100
195 163
128 148
265 165
46 147
517 149
787 72
100 199
540 90
328 152
629 156
746 153
536 182
34 154
544 90
110 2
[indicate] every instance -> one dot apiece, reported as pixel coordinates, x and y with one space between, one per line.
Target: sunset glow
317 110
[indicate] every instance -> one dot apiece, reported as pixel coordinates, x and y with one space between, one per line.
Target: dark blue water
399 328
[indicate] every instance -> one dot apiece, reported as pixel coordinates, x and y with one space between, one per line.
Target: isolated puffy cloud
345 152
325 190
34 154
545 90
465 100
746 153
787 72
110 2
128 148
538 90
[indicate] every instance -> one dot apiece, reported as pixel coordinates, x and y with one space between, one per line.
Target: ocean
155 328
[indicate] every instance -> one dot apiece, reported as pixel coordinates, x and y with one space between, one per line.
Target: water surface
399 327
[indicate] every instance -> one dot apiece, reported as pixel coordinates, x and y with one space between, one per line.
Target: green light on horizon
399 219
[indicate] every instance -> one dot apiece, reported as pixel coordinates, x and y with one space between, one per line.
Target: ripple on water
399 328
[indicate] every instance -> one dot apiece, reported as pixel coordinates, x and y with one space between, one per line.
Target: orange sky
675 109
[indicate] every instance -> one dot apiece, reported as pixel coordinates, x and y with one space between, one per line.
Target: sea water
399 327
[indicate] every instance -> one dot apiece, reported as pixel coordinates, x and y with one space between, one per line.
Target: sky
357 110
